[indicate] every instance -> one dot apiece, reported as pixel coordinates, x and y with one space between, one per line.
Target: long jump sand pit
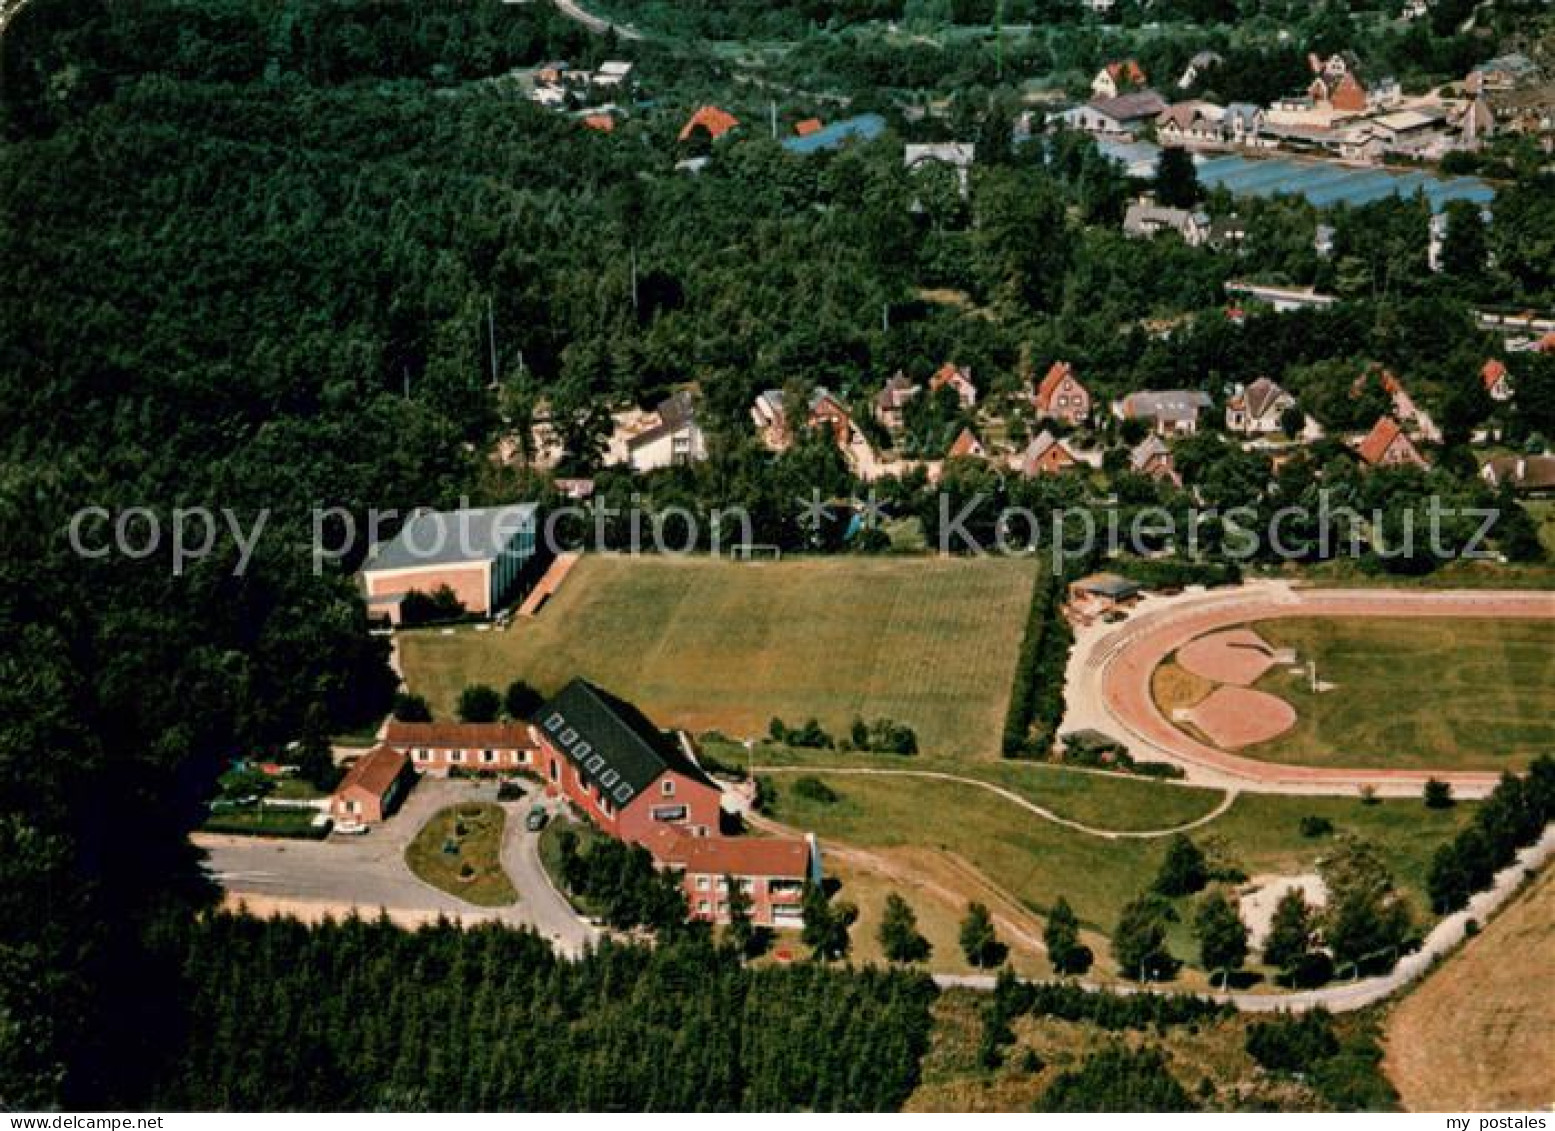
1239 657
1234 717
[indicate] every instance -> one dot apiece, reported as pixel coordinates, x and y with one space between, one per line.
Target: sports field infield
707 644
1414 693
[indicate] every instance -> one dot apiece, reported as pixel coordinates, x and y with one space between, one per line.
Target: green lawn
1036 861
474 831
1106 801
1416 693
707 644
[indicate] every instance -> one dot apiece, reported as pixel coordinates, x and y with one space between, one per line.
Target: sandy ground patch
1238 656
1262 894
1234 717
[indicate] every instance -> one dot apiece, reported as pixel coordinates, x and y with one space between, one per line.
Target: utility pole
772 109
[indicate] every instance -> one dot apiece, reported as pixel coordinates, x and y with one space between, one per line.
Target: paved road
1347 996
572 10
1108 679
368 873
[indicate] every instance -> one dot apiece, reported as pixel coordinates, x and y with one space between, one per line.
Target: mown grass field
476 830
1415 693
713 645
1476 1035
1034 861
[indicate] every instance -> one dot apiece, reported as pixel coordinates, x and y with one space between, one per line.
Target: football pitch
707 644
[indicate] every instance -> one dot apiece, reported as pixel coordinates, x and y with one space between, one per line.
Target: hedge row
1512 817
1037 697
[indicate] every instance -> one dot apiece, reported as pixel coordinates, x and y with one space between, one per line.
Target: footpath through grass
1035 861
460 851
707 644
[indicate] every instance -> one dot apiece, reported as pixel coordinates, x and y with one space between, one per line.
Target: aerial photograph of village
723 556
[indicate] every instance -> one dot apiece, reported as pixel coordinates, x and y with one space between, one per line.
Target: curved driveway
1110 669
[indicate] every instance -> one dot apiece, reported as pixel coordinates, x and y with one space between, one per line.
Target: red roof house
374 785
710 120
1386 445
1498 383
807 127
1060 396
967 446
958 378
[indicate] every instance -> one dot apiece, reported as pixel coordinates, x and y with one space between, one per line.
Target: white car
351 828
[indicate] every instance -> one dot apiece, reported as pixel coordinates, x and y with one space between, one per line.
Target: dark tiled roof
611 742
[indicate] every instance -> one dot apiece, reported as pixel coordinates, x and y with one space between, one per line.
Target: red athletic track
1144 644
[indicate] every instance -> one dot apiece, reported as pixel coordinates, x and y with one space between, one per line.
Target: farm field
706 644
1475 1036
1034 861
1415 693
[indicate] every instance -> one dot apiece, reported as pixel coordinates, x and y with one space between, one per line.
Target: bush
810 736
814 789
1437 794
1037 696
1293 1044
1313 827
410 708
440 607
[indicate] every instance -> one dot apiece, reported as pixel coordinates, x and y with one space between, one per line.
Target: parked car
351 828
536 819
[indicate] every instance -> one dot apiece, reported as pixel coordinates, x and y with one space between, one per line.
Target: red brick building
373 787
1060 396
637 784
771 871
436 748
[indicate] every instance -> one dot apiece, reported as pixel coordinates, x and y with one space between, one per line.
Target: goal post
755 552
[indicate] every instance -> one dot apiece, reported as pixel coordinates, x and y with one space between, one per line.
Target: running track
1110 679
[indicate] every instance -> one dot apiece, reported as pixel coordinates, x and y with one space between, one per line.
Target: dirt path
1015 799
1108 680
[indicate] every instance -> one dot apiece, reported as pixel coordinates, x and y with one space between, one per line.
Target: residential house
1504 72
1410 414
1173 412
1190 124
1386 445
1198 67
1527 475
1242 124
438 748
891 402
709 120
1497 381
1476 124
1145 219
959 379
372 788
672 438
1226 233
637 784
1061 396
614 74
482 554
967 446
1153 459
1046 455
808 126
1122 116
1117 78
1256 409
825 411
1346 93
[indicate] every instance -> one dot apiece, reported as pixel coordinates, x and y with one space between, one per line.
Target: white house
1256 409
672 436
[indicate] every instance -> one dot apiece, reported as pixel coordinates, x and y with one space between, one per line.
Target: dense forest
253 251
365 1016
